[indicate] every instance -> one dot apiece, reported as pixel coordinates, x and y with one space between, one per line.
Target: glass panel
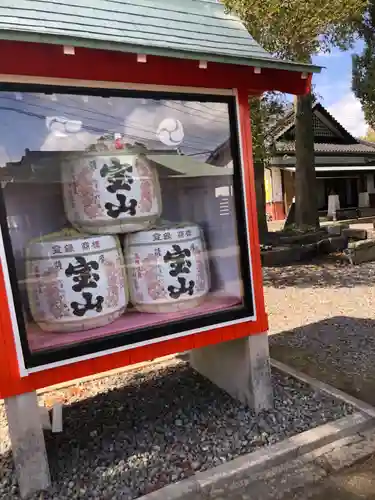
120 212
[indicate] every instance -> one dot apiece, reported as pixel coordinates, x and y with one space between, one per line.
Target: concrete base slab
278 481
345 456
341 457
241 367
188 489
28 446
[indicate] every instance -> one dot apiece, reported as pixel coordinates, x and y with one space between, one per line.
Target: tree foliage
265 113
364 67
299 29
370 136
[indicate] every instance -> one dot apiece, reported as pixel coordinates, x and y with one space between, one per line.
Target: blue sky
333 84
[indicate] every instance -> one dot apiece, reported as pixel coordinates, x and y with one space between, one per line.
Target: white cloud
69 142
4 157
348 112
206 125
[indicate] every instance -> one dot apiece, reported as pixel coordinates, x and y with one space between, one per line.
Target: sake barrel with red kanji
110 192
75 282
167 268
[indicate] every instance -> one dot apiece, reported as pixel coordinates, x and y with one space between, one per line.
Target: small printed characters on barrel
50 286
115 280
87 190
147 186
201 282
153 277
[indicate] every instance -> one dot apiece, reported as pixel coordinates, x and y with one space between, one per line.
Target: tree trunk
305 181
261 200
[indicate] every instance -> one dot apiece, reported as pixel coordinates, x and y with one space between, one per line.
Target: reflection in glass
120 212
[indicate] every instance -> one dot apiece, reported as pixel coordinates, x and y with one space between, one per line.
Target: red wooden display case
42 67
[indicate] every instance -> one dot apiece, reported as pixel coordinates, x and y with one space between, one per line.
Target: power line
116 120
85 127
188 113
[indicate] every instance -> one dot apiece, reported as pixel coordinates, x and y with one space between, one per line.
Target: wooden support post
28 446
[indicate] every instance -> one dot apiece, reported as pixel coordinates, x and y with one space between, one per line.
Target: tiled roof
287 124
289 147
367 143
195 29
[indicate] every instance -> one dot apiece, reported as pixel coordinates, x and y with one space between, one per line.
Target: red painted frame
49 61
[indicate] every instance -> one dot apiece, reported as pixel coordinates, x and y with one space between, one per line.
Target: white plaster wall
277 187
363 200
370 183
268 185
320 194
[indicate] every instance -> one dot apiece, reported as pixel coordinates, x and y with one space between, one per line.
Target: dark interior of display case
192 191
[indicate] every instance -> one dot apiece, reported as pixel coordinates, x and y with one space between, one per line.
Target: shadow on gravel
132 434
339 351
320 274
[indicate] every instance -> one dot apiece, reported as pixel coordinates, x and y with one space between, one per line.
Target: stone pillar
363 200
333 205
241 367
28 446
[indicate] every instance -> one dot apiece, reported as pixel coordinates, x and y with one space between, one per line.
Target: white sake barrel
167 268
110 192
75 282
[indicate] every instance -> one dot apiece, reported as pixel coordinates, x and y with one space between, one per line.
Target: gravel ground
324 316
127 435
298 295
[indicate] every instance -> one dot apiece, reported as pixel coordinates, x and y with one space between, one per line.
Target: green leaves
297 29
370 136
265 113
363 82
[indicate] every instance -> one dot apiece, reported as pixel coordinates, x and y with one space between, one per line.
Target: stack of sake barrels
116 251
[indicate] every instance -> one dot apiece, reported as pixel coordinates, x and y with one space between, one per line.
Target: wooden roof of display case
197 30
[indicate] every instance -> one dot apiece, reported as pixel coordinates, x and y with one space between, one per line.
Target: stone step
284 256
333 244
336 229
371 234
355 234
361 251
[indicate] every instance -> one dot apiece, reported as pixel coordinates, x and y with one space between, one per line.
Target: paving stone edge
305 448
